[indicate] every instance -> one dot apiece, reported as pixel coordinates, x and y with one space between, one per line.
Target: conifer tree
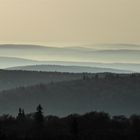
39 118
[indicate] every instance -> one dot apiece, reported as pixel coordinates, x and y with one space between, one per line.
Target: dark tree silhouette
39 123
21 115
39 118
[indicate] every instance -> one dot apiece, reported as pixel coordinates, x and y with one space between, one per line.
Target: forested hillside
113 93
13 79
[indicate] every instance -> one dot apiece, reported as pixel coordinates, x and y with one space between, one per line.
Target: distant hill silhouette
13 61
120 53
70 69
12 79
116 94
10 62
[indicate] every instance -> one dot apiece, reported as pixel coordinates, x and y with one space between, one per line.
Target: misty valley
67 99
69 69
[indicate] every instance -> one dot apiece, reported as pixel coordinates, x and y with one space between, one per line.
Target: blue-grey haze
120 56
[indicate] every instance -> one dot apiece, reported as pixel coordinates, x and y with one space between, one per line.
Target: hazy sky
90 21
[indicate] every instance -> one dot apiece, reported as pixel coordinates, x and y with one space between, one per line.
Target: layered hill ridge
12 79
109 53
10 62
69 69
119 94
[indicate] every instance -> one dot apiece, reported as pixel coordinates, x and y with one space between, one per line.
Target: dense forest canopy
88 126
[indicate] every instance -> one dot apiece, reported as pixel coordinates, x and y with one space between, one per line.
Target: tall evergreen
21 115
39 118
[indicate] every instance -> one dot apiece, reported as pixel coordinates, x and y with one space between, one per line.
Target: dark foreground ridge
90 126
